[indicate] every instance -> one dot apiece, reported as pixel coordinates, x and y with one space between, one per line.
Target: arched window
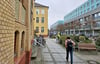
16 41
22 41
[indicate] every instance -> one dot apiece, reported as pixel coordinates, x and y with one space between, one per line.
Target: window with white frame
42 19
42 11
37 11
37 29
42 29
37 19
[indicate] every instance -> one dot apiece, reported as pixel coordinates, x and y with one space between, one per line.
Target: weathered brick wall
8 25
7 19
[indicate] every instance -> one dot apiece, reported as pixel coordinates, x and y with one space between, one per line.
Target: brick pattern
7 18
28 56
8 26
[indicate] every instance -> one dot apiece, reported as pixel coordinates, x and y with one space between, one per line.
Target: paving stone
53 53
48 62
59 53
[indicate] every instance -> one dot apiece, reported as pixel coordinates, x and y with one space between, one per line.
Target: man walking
69 48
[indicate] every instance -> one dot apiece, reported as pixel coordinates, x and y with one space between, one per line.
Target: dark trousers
71 54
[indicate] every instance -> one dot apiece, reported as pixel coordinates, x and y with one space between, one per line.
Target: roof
40 5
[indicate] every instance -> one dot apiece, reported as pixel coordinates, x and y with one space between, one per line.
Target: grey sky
59 8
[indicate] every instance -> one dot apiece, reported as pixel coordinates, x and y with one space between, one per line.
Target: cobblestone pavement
53 53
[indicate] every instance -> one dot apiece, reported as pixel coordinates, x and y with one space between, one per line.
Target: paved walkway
53 53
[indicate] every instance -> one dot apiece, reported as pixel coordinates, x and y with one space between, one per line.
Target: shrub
35 35
76 45
53 36
86 38
98 44
62 39
76 38
81 38
98 41
87 41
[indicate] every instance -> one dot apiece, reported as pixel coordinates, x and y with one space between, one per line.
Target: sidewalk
37 55
56 54
91 58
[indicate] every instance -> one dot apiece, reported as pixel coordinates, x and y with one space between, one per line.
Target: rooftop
40 5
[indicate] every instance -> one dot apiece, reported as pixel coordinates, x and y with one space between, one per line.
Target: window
42 29
92 1
98 4
23 14
81 19
37 29
81 8
92 7
87 3
88 9
97 0
95 15
81 12
16 42
97 24
42 19
86 18
17 9
37 11
22 41
84 6
37 19
99 14
42 11
84 11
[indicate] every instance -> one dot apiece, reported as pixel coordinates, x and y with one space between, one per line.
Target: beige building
16 31
41 19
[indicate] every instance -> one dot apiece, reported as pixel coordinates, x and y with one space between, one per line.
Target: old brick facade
7 19
15 31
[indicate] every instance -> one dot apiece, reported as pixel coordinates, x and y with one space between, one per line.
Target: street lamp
83 27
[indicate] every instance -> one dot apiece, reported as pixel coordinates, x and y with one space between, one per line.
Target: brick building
16 32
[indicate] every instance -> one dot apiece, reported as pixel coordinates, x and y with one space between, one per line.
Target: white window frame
37 11
42 11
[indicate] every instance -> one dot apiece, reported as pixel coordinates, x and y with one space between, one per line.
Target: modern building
56 24
41 19
84 20
16 33
57 27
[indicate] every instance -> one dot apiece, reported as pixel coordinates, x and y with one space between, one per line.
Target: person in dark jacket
69 48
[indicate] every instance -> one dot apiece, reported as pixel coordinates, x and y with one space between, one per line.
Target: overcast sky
59 8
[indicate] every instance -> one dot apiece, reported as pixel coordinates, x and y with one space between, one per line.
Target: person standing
69 48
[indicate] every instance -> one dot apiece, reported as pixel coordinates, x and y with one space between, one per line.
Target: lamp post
84 29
